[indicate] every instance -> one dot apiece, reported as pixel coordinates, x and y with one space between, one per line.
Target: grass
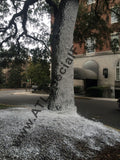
5 106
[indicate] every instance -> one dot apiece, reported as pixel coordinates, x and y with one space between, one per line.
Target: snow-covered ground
52 136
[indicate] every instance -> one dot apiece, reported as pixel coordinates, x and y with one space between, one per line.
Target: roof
89 71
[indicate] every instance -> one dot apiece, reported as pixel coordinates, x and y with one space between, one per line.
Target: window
90 1
115 42
114 18
118 71
90 45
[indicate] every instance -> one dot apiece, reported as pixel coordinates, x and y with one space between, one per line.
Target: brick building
100 67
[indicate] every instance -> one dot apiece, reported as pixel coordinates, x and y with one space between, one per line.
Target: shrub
95 91
15 77
78 90
39 74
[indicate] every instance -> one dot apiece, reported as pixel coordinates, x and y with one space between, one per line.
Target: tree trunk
62 93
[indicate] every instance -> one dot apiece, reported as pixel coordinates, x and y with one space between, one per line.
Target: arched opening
92 81
88 73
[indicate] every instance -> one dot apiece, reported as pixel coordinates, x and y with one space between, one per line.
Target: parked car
34 87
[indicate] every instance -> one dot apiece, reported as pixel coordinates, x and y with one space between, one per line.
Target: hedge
78 90
95 91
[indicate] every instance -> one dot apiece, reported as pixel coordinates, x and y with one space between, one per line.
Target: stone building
94 67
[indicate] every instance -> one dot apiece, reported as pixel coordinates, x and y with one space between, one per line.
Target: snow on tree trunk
62 93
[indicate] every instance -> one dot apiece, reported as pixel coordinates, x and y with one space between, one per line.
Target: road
104 111
18 97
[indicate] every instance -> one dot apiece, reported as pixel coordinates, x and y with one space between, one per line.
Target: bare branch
39 40
13 2
23 15
11 36
34 38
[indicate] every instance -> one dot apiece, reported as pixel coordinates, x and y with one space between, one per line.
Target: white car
34 87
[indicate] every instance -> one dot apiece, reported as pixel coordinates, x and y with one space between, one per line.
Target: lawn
4 106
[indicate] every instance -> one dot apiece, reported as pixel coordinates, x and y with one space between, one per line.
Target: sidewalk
29 92
76 96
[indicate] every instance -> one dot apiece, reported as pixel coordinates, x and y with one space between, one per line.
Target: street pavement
101 110
19 97
104 110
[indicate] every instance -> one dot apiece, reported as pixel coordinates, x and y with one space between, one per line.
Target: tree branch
96 7
111 10
34 38
23 15
39 40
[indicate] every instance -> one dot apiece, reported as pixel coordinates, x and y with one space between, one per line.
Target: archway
88 73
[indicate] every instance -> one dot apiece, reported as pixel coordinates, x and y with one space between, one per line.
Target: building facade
100 67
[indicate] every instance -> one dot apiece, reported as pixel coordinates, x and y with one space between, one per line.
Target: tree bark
62 93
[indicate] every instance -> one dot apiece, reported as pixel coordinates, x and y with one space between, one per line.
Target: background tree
13 55
15 76
1 78
39 74
13 60
39 54
39 69
90 23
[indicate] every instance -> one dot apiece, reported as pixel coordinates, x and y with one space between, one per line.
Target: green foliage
95 91
39 74
3 106
15 76
13 55
115 45
91 24
13 58
78 90
1 78
38 54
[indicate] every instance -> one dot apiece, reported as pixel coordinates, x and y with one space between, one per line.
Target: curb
80 97
118 130
96 98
